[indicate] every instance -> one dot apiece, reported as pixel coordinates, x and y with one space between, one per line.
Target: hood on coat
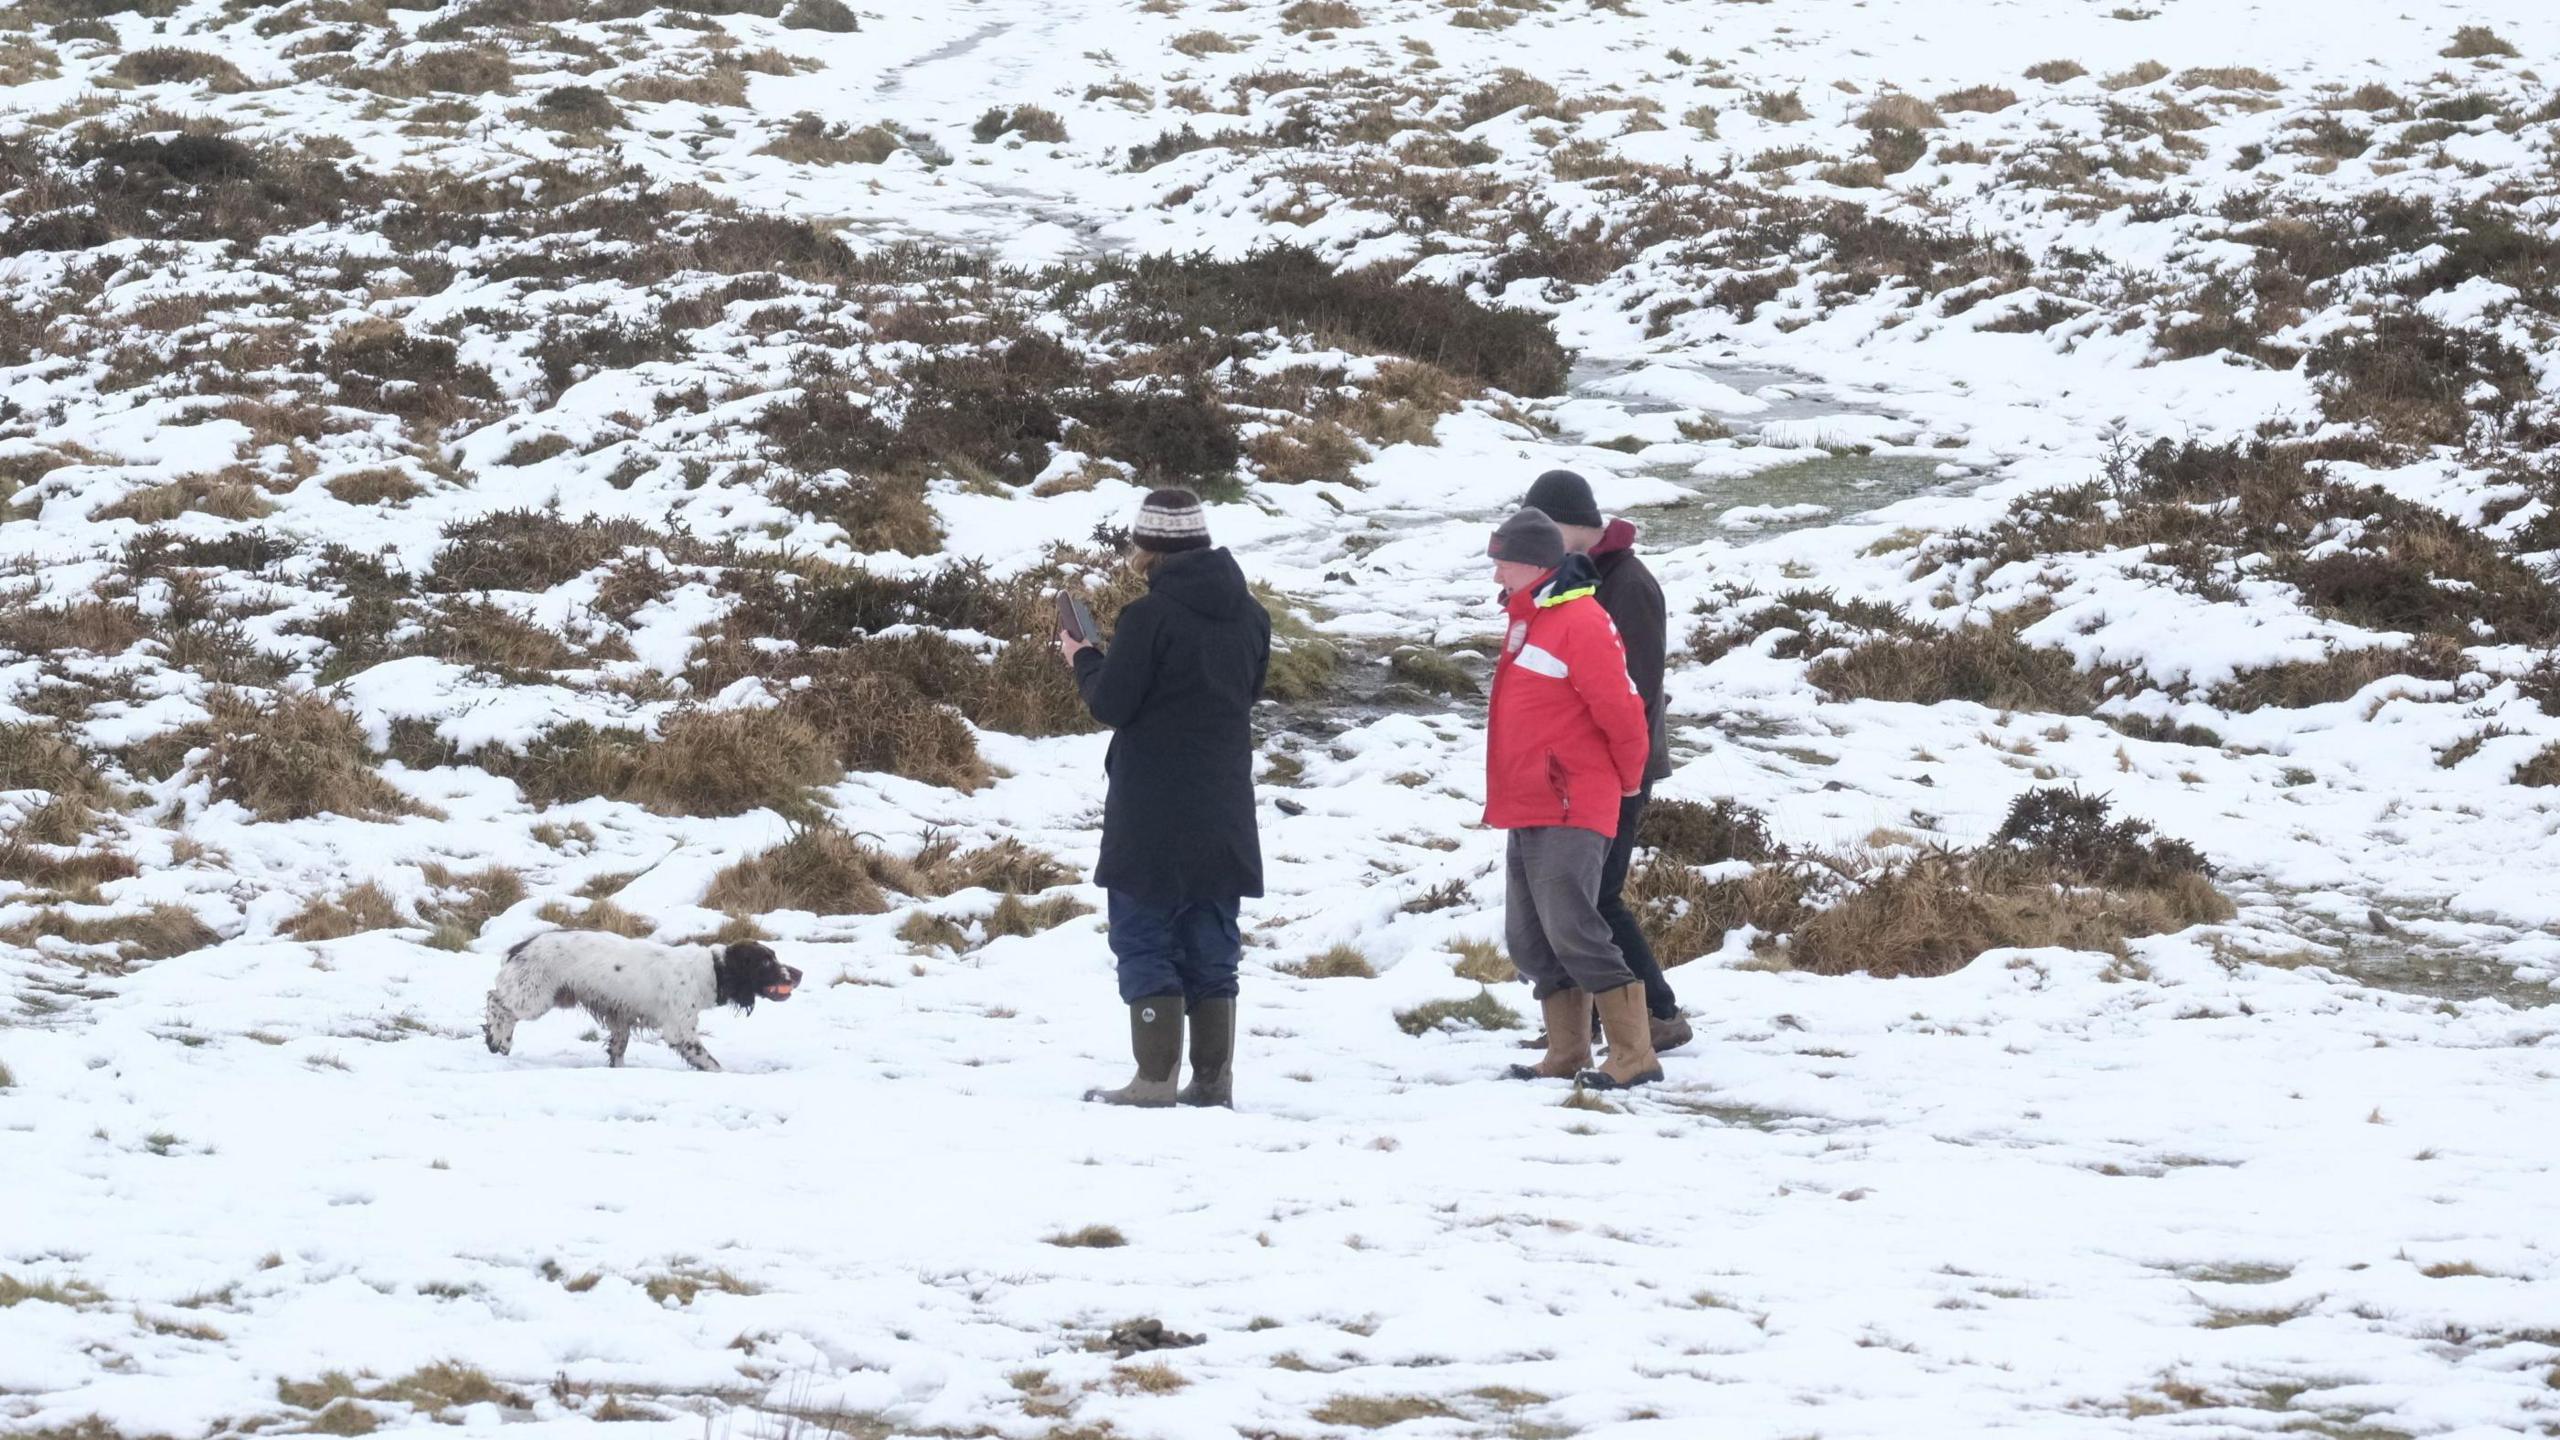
1207 582
1615 538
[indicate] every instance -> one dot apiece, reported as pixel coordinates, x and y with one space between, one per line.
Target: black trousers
1622 921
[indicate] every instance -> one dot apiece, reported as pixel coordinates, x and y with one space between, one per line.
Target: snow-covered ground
2287 1175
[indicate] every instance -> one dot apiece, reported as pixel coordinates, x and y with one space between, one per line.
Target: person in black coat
1180 847
1633 599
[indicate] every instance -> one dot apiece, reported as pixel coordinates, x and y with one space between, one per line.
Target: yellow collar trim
1548 601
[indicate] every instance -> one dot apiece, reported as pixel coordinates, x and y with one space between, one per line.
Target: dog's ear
733 973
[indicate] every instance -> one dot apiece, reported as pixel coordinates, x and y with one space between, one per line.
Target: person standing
1180 848
1633 599
1565 743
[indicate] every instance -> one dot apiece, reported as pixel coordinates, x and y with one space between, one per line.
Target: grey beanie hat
1529 538
1171 520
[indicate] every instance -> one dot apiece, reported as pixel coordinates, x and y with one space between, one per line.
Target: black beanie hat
1566 497
1171 520
1529 538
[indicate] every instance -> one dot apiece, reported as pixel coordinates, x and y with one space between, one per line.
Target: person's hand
1068 645
1630 794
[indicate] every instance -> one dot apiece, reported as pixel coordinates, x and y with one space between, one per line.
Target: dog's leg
617 1040
682 1038
500 1027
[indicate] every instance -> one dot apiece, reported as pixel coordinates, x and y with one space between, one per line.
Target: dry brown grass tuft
1687 916
2339 675
381 486
831 17
1986 664
1198 43
927 931
1480 1011
364 907
601 915
1782 107
170 65
156 933
1932 914
1483 962
870 718
2149 72
685 1282
1300 451
1688 833
31 855
1091 1237
230 495
2542 770
1379 1412
821 869
828 870
2478 42
1030 122
1018 918
2227 77
812 139
1342 962
292 756
2056 72
1901 112
1152 1377
1978 100
1319 15
728 762
34 757
465 903
446 70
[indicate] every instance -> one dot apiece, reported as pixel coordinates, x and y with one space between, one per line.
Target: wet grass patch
1480 1011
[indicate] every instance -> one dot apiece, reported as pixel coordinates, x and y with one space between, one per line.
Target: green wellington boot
1213 1053
1155 1038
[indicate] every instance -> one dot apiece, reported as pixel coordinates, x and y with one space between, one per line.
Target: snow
2243 1179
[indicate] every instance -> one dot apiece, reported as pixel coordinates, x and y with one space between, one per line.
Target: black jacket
1633 599
1178 687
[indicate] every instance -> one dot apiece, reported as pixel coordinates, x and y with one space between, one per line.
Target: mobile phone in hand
1076 618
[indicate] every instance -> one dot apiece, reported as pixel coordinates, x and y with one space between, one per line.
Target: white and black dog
627 984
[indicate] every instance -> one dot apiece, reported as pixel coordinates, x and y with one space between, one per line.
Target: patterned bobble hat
1171 520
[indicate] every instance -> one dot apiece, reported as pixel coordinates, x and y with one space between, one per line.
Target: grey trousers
1552 912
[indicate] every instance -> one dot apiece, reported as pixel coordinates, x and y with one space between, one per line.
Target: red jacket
1568 737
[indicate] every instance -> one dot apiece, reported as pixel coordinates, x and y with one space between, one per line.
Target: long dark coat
1178 687
1633 599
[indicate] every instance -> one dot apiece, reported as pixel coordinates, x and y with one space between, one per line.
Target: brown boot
1671 1034
1631 1059
1568 1014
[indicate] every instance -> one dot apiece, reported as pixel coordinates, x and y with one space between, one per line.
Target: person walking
1180 849
1633 599
1565 744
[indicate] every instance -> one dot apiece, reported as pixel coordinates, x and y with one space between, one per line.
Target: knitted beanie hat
1566 497
1529 538
1171 520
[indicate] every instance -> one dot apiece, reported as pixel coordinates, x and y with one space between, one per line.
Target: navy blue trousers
1188 950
